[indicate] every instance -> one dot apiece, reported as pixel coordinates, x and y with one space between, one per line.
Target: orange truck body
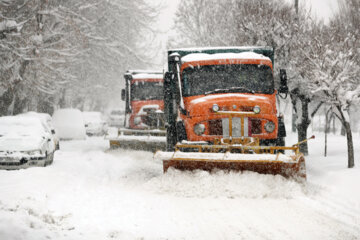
199 108
221 112
196 108
139 107
144 112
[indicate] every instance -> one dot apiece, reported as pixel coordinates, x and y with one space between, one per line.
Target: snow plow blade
287 166
147 140
243 154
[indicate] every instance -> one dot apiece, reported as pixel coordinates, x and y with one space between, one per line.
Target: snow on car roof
20 125
69 123
193 57
43 116
92 117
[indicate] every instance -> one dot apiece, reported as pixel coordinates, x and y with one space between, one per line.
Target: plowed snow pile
201 184
92 193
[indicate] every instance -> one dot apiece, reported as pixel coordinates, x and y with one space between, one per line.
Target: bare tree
67 53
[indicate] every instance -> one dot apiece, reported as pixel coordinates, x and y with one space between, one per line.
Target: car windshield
146 91
207 79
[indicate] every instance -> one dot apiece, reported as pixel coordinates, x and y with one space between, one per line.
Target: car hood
201 105
20 143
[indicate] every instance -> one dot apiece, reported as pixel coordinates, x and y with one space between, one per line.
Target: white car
95 123
69 124
47 120
117 118
24 142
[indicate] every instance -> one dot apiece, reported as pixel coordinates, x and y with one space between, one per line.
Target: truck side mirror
283 82
123 94
175 58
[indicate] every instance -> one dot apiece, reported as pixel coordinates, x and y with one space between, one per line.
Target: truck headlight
257 109
137 120
270 127
215 108
199 129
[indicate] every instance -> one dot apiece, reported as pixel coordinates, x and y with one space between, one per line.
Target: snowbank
125 195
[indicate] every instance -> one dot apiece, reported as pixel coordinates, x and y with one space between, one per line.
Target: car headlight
34 153
270 127
215 108
137 120
257 109
199 129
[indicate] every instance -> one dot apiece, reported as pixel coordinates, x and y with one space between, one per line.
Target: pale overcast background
321 9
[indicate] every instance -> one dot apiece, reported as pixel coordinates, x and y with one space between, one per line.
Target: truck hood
201 105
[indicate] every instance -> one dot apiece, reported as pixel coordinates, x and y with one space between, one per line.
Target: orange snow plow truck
144 117
221 112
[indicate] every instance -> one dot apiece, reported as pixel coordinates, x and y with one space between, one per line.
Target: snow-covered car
24 142
47 120
116 118
95 123
69 124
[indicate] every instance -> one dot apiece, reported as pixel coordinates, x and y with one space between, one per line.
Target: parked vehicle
24 142
144 128
47 120
95 123
116 118
221 112
69 124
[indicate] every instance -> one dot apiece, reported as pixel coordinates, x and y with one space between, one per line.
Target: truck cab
204 85
143 96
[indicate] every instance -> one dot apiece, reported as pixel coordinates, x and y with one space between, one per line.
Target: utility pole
297 6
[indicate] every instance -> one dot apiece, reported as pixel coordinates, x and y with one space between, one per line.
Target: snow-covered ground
92 193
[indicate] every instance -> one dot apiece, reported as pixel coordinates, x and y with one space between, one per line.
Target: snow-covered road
92 193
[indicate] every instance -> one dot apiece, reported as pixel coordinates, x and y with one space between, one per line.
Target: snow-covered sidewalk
92 193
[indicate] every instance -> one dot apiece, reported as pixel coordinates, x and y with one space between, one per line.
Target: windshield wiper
232 89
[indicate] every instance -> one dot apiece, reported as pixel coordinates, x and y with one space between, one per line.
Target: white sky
321 9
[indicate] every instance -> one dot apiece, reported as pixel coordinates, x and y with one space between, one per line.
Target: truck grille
220 127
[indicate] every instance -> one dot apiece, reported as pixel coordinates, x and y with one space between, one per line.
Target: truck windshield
207 79
146 91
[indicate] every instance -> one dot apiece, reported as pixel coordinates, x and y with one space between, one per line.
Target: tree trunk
5 101
343 130
350 145
293 121
304 124
326 131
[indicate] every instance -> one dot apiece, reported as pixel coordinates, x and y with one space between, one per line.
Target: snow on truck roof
145 74
199 49
222 56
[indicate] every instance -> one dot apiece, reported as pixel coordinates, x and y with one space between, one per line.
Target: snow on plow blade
287 166
147 140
